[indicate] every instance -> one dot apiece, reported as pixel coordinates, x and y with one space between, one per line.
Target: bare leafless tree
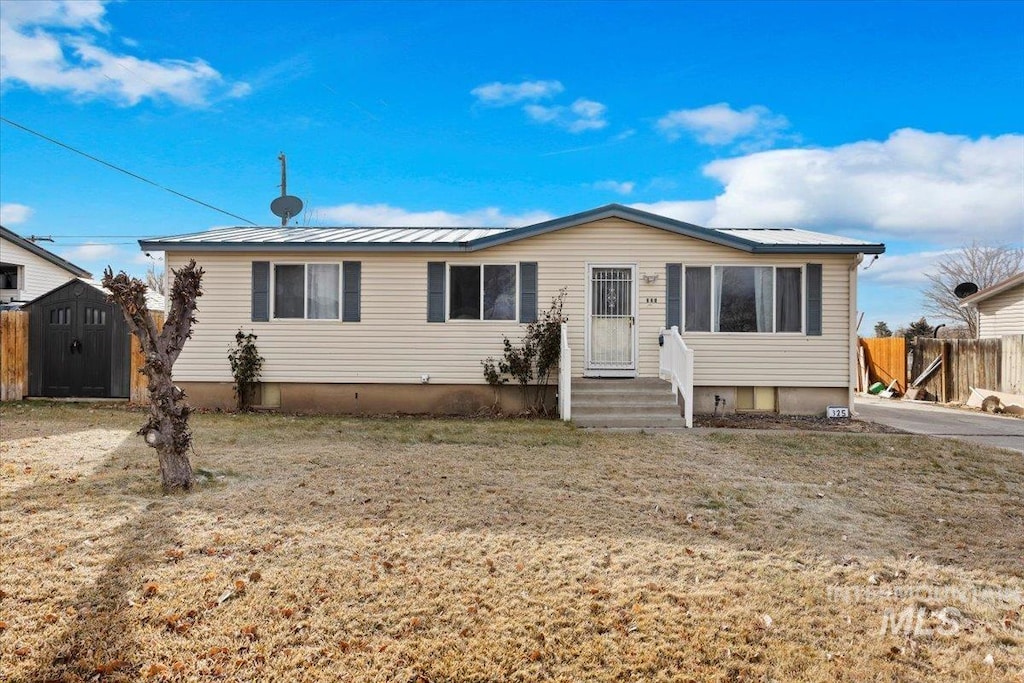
155 279
982 264
167 429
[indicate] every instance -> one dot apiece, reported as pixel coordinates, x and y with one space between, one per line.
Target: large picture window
311 291
743 299
486 292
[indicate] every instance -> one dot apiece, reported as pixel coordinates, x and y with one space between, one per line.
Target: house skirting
368 399
788 400
464 399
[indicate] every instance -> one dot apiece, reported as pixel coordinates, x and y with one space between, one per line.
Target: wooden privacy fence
1013 364
13 355
139 383
885 359
966 363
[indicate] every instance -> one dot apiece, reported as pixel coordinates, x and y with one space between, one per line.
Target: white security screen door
611 337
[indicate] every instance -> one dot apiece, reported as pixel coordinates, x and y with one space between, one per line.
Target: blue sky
893 122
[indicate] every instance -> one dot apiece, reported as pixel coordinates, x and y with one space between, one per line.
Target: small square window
8 276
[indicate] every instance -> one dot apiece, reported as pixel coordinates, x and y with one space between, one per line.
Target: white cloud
901 270
720 124
52 46
624 187
499 94
543 114
14 214
384 215
582 115
90 252
698 212
942 188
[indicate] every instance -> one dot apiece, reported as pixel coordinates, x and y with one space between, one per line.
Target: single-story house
399 319
28 271
1000 307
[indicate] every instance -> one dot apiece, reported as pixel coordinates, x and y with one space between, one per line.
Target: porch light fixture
650 279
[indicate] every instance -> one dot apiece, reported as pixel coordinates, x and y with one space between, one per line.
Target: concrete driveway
923 418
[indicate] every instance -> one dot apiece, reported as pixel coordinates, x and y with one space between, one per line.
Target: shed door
611 347
93 354
57 358
76 359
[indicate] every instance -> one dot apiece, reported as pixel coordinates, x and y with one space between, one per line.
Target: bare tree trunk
167 430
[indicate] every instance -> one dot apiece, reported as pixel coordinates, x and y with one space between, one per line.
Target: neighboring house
1000 307
399 319
28 271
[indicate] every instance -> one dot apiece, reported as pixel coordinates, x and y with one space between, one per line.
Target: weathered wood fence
995 364
1013 364
13 355
14 358
966 363
886 360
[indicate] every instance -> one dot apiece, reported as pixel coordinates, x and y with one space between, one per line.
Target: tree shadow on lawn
87 633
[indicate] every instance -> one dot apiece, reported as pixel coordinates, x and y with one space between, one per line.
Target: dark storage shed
79 344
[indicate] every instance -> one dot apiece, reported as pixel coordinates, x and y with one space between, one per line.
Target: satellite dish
286 206
965 289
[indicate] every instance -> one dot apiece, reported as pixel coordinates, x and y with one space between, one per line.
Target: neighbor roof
43 253
997 288
754 240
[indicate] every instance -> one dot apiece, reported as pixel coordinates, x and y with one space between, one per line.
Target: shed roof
155 301
997 288
14 238
754 240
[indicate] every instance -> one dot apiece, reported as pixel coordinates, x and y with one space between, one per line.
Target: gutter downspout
853 329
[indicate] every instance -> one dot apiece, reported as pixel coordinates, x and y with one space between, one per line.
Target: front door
611 321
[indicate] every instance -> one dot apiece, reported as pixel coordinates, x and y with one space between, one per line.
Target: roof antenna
285 206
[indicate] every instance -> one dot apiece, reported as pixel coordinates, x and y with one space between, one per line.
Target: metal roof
754 240
788 236
339 235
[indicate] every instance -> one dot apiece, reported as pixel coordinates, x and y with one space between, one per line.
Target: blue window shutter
814 299
260 291
528 292
435 292
351 291
673 294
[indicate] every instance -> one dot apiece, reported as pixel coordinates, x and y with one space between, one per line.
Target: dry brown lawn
446 550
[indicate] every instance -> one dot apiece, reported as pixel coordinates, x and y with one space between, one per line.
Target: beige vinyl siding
37 275
394 343
1002 314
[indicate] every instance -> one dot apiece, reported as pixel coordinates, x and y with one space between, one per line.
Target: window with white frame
307 290
743 299
482 292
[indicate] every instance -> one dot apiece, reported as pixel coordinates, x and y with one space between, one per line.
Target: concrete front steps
625 403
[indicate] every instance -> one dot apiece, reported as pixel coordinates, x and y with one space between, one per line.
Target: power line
122 170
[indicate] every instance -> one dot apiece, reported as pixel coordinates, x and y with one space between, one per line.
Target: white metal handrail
676 365
565 377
